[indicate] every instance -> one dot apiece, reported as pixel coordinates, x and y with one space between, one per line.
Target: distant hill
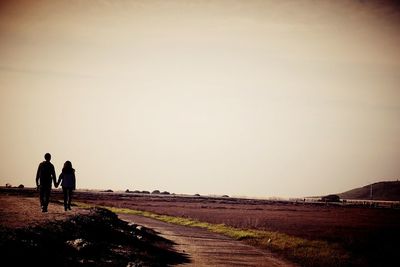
388 190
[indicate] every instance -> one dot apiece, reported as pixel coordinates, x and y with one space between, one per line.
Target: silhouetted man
44 176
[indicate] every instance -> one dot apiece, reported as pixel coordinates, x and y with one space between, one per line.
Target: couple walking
46 175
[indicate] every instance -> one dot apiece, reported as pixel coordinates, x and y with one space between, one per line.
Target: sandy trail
205 248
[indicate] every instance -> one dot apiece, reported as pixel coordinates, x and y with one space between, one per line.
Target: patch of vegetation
96 239
303 251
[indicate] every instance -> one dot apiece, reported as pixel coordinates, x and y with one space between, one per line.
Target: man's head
47 157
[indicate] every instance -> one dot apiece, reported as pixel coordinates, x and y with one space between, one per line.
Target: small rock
77 244
134 264
131 224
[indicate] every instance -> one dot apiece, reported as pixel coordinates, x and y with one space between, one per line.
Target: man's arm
60 178
38 174
54 177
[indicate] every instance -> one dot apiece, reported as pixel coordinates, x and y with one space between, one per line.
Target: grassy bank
99 238
303 251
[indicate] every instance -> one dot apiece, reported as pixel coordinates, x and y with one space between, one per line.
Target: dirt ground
80 238
19 211
200 246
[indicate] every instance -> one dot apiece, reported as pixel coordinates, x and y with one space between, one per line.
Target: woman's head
67 167
68 164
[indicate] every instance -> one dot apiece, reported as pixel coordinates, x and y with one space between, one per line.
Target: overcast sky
246 98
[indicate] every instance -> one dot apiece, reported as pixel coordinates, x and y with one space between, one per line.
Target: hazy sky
250 98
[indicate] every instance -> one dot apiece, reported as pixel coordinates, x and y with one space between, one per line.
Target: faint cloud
43 72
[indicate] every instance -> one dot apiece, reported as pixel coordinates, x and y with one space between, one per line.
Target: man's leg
46 198
41 196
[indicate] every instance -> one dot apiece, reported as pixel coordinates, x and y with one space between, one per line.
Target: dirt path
208 249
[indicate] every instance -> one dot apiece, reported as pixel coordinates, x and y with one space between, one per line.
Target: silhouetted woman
68 183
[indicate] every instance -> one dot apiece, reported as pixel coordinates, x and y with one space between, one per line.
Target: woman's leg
65 192
69 198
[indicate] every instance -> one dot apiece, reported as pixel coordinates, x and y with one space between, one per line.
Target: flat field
370 236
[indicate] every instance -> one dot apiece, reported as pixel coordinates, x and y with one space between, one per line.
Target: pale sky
245 98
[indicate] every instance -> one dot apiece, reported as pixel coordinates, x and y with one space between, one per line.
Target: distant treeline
155 192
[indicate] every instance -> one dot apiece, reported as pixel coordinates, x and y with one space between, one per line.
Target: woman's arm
74 181
60 179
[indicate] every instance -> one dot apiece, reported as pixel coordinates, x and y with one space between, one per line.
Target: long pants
44 195
67 197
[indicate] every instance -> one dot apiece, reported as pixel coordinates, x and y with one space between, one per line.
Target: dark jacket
67 180
45 174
